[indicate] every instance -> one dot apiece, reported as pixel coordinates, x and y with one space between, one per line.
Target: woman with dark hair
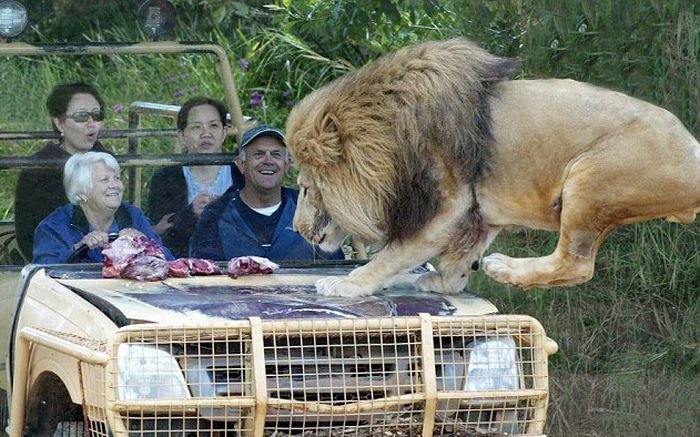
178 195
76 111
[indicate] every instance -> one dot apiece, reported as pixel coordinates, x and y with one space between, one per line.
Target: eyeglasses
83 116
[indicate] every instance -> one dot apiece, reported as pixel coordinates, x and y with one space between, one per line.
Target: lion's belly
517 205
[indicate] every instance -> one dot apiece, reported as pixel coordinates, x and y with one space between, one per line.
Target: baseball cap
259 131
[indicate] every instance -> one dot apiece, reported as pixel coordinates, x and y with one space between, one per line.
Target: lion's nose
475 265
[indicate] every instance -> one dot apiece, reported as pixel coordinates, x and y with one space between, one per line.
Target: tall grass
122 80
629 357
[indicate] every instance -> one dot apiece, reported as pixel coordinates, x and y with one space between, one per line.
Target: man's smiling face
265 164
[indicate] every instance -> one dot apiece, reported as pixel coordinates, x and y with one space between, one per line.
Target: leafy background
629 357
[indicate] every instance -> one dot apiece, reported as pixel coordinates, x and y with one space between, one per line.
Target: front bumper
331 377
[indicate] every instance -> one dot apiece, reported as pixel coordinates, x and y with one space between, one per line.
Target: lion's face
311 218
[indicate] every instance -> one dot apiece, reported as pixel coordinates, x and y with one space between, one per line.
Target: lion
432 150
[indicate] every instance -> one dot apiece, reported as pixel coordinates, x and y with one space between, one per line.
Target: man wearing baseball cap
256 219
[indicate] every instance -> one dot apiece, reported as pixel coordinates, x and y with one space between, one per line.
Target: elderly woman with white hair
77 231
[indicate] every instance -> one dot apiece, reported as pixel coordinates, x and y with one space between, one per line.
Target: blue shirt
221 234
56 235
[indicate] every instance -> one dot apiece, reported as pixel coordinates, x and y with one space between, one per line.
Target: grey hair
77 173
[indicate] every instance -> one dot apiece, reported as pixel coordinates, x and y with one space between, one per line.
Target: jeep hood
277 296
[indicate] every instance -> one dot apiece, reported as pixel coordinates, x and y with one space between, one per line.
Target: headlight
146 372
492 365
156 18
13 18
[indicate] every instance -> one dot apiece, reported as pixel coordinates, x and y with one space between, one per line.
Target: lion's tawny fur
431 152
412 104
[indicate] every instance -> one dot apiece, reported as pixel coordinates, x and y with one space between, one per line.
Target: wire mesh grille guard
405 376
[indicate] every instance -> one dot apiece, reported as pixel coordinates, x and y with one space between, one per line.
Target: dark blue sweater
222 234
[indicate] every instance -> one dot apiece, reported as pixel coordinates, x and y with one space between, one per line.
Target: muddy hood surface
276 296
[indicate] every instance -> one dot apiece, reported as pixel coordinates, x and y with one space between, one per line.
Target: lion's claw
341 286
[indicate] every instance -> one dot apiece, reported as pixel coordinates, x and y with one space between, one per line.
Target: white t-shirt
268 211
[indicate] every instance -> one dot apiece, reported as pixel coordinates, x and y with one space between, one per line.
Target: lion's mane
374 139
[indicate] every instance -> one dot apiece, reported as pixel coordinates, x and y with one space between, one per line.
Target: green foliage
640 315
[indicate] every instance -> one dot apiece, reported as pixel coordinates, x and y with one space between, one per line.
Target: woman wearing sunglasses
76 110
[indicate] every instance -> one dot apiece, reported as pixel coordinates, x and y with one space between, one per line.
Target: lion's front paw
520 272
497 267
341 286
436 282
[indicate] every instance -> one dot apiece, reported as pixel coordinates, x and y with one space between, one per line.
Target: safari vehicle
260 355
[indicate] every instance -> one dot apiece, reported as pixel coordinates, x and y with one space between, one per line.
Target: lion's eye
302 191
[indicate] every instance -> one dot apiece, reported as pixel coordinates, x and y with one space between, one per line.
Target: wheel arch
48 403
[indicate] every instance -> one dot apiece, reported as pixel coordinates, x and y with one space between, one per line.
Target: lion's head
311 218
377 147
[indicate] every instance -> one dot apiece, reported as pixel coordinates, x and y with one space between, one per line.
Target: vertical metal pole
429 378
134 172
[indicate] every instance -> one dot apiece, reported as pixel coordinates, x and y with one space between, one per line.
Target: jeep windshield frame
134 160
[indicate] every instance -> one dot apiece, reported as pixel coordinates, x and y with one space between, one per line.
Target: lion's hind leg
559 268
588 214
603 190
686 217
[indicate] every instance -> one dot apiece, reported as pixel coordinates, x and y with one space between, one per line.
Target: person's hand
201 201
93 240
130 232
164 224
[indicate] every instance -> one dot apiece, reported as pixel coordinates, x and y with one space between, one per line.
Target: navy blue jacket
56 235
222 234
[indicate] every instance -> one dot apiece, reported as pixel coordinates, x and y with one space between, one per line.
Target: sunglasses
83 116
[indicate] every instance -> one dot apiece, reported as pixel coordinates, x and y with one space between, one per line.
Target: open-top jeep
257 355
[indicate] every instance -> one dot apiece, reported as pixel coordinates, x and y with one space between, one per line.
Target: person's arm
205 242
164 196
168 196
50 245
184 221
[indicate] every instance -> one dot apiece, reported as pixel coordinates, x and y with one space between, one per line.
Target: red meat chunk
204 267
179 268
250 265
146 268
122 259
184 267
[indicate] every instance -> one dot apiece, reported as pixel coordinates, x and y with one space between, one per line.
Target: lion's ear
324 146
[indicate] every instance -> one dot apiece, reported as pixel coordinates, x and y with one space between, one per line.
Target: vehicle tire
4 413
50 411
70 429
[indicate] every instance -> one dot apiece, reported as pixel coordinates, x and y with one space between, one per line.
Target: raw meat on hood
250 265
122 259
184 267
145 268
